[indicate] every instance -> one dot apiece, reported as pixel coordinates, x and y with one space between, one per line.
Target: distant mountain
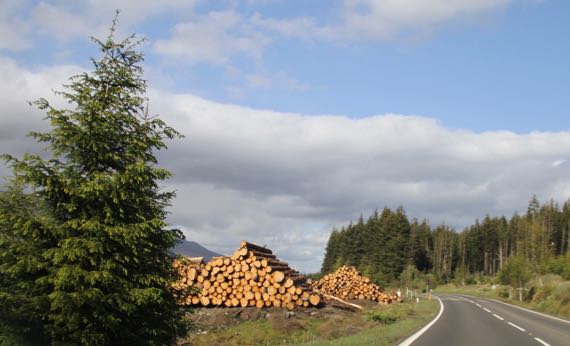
193 249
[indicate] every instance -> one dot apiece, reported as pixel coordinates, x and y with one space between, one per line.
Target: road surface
467 320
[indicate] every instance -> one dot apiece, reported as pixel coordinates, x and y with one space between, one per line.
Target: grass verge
414 317
377 325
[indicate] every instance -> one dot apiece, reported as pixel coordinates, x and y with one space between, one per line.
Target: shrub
384 317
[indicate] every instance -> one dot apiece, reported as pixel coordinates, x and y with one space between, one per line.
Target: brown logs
252 276
348 283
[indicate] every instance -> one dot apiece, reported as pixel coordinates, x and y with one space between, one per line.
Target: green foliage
386 243
461 275
313 276
84 255
560 265
378 247
331 253
384 317
410 276
516 273
22 236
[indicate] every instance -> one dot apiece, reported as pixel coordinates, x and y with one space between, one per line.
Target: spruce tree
23 301
102 267
331 252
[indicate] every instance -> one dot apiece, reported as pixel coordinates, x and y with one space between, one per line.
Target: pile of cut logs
252 276
348 283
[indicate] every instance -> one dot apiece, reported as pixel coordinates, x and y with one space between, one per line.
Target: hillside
193 249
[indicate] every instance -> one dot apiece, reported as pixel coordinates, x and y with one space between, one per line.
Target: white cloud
66 20
286 179
213 38
369 20
383 19
62 23
12 27
306 28
17 117
276 178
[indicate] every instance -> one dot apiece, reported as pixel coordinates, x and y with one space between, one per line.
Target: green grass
411 318
380 325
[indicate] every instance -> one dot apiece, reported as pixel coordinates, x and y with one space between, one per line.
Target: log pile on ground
348 283
252 276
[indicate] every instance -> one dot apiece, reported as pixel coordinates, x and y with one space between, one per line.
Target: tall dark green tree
99 259
331 252
23 301
419 251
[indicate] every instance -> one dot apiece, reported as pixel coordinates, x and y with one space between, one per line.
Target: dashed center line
517 327
542 341
499 317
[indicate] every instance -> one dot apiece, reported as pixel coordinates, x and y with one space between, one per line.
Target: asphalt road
469 321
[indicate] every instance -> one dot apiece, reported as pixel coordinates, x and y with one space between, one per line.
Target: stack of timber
252 276
348 283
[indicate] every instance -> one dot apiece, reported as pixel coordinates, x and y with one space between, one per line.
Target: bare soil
206 320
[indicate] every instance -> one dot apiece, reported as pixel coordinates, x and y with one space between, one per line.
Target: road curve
470 320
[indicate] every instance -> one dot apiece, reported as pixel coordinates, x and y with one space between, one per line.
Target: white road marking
517 327
486 309
542 342
499 317
479 305
413 338
534 312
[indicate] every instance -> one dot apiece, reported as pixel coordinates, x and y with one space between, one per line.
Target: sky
299 116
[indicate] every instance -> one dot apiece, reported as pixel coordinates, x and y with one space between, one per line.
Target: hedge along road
467 320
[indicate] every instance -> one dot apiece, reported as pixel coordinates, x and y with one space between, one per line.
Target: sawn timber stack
252 276
348 283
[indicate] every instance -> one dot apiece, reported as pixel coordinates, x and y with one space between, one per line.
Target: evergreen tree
533 206
331 253
419 253
98 260
565 229
23 301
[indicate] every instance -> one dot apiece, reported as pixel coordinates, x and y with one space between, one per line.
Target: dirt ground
216 318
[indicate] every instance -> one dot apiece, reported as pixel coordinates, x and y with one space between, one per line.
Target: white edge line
479 305
534 312
417 334
486 309
542 341
517 327
499 317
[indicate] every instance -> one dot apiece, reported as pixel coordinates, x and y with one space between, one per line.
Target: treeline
383 245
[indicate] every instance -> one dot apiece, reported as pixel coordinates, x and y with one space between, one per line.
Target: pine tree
331 253
23 301
106 271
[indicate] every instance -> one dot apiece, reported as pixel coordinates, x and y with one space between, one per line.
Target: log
278 276
250 246
205 301
315 299
252 276
347 282
280 268
254 253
